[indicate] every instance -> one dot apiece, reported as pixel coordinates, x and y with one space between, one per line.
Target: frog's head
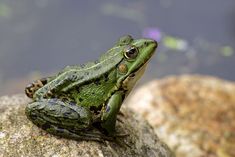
136 54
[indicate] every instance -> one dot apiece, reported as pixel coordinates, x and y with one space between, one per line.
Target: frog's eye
131 52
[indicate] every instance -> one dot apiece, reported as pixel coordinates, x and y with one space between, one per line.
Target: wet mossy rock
19 137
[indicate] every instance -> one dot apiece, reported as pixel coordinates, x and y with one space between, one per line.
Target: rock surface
19 137
194 115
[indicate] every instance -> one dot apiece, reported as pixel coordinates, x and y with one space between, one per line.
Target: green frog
82 99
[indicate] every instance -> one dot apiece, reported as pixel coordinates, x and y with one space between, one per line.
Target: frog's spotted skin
81 99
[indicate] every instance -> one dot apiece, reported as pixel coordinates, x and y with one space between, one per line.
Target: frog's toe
78 135
121 134
29 91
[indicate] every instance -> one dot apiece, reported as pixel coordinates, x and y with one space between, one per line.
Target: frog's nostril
154 44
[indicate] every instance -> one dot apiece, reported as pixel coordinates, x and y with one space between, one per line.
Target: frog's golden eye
131 52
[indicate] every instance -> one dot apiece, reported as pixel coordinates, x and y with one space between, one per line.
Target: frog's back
103 64
96 79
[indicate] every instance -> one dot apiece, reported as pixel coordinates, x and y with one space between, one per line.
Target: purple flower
152 33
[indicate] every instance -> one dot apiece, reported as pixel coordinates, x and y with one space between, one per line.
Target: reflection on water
43 36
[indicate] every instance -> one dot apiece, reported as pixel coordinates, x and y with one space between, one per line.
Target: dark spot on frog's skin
97 82
97 125
107 109
72 103
38 86
93 108
97 61
45 126
33 117
53 90
87 82
53 96
145 43
29 93
96 109
106 77
124 96
78 89
73 77
86 73
49 94
80 99
43 80
66 114
104 131
58 119
29 89
64 99
82 65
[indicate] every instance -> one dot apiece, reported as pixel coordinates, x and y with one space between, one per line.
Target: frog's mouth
140 70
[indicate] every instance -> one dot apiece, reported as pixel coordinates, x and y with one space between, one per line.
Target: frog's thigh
54 115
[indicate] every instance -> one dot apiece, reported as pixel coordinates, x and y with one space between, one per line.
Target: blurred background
40 37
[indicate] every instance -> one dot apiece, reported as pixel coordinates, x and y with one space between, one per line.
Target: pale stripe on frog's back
93 70
113 52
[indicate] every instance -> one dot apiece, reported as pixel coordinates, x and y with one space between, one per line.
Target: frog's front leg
65 119
109 116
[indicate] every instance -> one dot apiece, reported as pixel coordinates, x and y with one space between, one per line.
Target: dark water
46 35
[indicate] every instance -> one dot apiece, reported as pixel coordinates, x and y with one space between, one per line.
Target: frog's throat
131 79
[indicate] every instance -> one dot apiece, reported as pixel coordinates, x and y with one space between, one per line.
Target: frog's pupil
131 53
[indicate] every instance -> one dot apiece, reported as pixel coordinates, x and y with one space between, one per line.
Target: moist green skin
80 100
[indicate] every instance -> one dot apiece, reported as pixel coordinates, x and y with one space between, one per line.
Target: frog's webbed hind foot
79 135
120 113
31 88
120 120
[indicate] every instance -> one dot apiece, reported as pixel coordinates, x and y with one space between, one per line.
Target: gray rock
19 137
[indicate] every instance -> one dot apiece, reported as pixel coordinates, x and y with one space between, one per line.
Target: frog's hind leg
31 88
64 119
